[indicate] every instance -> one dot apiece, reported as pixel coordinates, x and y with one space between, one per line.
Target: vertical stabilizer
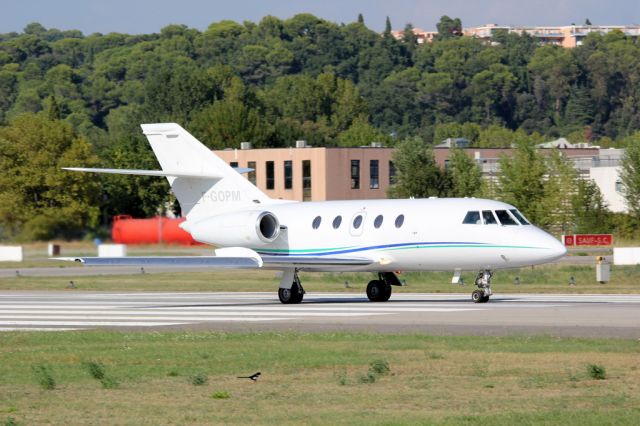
205 184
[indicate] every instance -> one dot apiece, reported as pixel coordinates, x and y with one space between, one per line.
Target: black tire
378 291
478 296
291 296
485 299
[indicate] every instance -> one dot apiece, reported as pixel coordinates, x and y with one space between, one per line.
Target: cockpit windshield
505 218
495 217
519 216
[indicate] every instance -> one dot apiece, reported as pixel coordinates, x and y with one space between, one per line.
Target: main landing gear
291 291
380 290
483 281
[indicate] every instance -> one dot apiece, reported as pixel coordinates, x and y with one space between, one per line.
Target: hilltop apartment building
568 36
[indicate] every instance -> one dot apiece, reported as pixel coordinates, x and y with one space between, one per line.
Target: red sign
588 240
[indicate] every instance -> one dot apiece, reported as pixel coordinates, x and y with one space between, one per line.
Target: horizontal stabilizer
182 174
207 261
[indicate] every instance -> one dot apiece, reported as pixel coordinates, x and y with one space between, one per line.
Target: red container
126 230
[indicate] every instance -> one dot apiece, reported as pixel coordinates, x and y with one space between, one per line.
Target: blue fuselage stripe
417 245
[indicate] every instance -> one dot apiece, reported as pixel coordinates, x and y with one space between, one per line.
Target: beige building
566 36
317 174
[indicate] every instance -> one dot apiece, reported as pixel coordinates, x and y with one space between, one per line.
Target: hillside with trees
277 81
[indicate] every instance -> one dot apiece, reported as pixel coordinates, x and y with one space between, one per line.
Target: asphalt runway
447 314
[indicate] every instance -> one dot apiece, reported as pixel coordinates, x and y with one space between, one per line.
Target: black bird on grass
253 377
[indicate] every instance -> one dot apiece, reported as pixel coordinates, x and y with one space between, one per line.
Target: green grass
314 379
541 279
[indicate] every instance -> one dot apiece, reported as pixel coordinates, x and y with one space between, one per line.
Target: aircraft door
357 223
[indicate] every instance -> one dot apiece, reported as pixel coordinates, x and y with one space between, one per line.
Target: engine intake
268 227
237 229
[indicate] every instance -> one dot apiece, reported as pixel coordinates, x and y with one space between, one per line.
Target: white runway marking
78 310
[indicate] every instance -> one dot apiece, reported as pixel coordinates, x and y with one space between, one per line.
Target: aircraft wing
223 262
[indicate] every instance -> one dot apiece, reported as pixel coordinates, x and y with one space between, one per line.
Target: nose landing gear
483 282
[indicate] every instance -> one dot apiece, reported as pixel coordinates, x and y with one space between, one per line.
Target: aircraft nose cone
556 249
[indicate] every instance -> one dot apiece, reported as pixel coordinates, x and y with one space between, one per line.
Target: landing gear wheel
291 296
485 299
378 291
478 296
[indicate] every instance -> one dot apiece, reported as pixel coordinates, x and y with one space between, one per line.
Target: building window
270 175
234 164
288 174
620 187
374 181
355 174
306 180
252 174
392 173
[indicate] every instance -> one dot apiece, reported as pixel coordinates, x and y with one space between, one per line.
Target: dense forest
277 81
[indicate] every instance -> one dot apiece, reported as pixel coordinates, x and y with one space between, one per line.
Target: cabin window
234 164
357 221
489 218
316 222
505 218
519 216
399 220
336 222
472 218
378 221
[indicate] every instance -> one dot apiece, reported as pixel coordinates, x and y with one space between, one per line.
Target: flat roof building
566 36
317 174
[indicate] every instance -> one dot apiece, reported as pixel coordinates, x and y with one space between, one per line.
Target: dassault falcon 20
251 230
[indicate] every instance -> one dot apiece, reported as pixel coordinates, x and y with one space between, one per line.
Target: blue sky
145 16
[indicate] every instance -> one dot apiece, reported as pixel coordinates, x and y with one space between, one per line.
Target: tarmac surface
446 314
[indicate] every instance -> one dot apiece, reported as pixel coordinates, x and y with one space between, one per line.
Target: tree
521 180
39 200
630 175
590 210
466 175
559 190
361 133
387 27
449 28
418 175
360 19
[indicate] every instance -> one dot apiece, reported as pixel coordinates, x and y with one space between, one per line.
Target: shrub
370 377
379 367
44 377
172 373
199 379
221 395
11 421
596 371
95 369
109 382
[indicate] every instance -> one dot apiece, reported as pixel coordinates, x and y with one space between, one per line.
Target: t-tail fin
201 181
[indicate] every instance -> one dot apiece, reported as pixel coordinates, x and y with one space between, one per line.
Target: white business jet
224 209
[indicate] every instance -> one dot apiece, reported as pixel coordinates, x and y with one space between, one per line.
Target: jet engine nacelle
244 229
